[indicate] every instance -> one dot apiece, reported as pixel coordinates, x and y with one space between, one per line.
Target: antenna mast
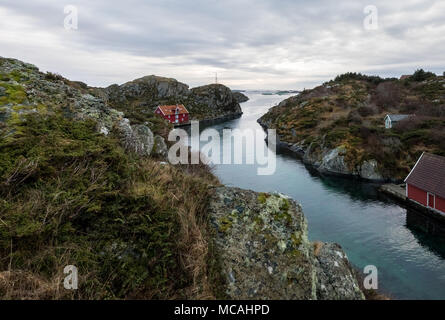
216 77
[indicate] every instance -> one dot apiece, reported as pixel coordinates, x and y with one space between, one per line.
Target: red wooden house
425 184
176 114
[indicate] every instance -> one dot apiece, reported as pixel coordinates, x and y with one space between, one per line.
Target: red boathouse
425 184
176 114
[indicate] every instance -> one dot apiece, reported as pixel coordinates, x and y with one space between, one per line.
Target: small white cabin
392 119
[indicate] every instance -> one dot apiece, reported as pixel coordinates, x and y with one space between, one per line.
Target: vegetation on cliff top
70 195
349 112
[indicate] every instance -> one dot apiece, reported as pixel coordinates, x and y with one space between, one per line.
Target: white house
392 119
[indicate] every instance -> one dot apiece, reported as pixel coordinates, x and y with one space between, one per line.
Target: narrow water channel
371 229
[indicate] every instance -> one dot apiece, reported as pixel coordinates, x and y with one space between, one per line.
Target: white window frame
428 200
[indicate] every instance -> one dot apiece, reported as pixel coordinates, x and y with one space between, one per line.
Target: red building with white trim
425 184
176 114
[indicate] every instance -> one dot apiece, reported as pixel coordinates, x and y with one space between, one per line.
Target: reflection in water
372 229
419 221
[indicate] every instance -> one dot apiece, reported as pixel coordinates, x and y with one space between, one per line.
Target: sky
250 44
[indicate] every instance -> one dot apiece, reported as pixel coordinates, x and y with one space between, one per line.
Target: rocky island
84 182
139 98
339 127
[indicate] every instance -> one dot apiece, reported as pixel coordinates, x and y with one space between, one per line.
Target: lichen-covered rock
216 98
146 91
137 138
334 162
370 171
160 147
335 277
27 90
264 249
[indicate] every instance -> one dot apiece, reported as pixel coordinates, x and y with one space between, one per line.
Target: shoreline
300 153
213 121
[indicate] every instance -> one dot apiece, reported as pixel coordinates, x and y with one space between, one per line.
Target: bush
53 76
359 76
421 75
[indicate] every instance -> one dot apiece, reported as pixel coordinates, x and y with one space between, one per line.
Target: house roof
171 110
429 174
398 117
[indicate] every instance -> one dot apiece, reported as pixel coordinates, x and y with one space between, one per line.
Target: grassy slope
134 228
70 196
349 112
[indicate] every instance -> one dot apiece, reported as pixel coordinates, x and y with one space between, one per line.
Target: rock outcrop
160 147
240 97
145 94
348 113
217 98
328 160
265 253
27 91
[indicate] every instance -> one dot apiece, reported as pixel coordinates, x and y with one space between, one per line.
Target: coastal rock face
329 160
334 162
265 252
370 171
27 90
137 138
216 97
240 97
145 94
148 92
335 278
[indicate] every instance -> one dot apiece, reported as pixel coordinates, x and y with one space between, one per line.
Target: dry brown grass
22 285
186 189
317 247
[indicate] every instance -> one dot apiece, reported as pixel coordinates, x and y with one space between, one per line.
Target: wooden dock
395 190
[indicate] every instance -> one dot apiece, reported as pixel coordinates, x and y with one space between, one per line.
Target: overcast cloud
250 44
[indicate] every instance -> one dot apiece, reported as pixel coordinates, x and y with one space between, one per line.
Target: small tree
422 75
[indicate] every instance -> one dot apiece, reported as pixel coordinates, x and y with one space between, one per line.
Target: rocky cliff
141 97
263 245
338 127
240 97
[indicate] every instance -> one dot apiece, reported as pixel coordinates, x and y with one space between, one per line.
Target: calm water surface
371 229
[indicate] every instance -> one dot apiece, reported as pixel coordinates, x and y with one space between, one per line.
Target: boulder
138 138
262 242
370 171
335 277
160 147
334 162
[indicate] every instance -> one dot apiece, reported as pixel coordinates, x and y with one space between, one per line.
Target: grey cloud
289 41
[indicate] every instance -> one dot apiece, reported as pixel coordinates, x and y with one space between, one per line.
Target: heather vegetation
349 112
72 195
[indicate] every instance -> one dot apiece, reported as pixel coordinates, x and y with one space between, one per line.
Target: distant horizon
220 82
